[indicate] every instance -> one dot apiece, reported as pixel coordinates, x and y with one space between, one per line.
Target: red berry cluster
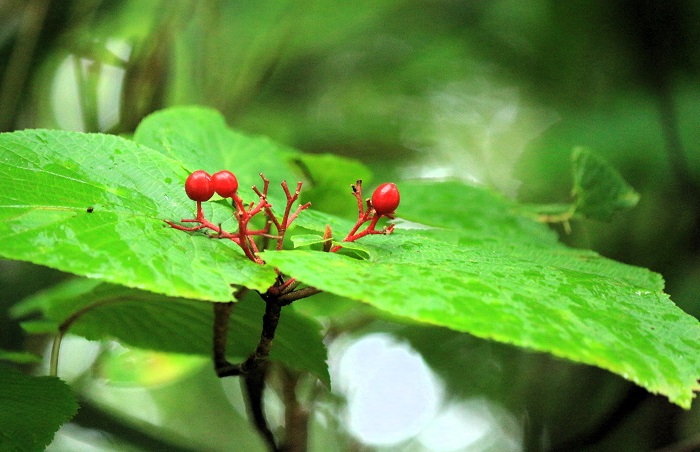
200 187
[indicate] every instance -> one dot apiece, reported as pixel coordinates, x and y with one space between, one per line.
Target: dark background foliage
409 87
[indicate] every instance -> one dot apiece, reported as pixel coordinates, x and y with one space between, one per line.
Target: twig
222 314
254 386
296 418
270 320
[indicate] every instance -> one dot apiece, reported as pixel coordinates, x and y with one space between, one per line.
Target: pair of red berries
200 186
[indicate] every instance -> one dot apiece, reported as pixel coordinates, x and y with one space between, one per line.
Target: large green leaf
477 218
33 408
530 291
94 205
151 321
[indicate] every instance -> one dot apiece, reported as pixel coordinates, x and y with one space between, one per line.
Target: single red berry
225 183
198 186
385 199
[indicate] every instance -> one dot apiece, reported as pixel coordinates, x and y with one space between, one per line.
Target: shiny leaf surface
94 205
532 292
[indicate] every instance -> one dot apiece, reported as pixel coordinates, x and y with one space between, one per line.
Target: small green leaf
597 312
599 189
39 326
135 367
303 240
306 240
19 357
33 408
549 213
176 325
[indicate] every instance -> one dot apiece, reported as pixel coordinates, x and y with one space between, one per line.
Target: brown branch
254 386
259 356
222 314
296 418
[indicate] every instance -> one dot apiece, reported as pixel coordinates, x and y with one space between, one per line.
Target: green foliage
468 259
102 200
151 321
594 314
32 409
19 357
600 191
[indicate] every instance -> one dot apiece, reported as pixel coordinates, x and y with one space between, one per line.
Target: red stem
244 237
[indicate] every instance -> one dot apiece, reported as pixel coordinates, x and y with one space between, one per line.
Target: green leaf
599 189
198 138
136 367
573 304
94 205
176 325
549 213
330 178
476 217
469 215
300 240
39 326
33 408
19 357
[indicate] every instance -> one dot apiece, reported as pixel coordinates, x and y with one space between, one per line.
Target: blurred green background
495 92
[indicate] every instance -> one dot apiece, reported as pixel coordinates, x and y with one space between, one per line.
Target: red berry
198 186
225 183
385 199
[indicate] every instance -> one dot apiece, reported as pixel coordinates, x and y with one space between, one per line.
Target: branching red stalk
363 216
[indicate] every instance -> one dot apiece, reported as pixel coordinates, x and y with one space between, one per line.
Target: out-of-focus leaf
330 179
599 189
19 357
176 325
33 408
469 215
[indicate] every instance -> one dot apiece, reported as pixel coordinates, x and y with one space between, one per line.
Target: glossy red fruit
385 199
225 183
198 186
